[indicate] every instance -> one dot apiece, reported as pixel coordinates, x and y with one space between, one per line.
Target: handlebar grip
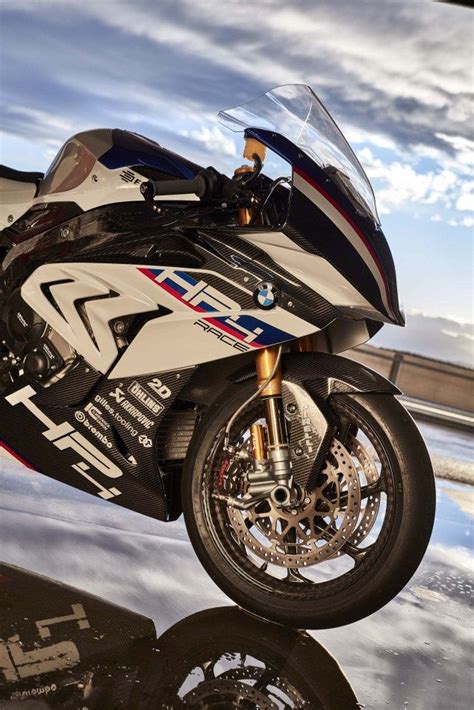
196 186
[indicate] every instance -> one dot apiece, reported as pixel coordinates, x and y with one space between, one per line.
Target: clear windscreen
295 112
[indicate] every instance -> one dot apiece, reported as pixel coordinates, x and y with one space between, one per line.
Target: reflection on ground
63 648
414 653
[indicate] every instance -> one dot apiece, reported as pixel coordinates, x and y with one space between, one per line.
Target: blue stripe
176 287
186 277
156 272
270 334
118 157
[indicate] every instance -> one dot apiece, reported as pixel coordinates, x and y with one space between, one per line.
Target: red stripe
15 455
169 290
235 333
348 219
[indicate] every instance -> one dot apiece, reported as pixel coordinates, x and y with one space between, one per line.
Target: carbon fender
309 381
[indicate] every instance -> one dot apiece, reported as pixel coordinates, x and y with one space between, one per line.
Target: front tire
380 570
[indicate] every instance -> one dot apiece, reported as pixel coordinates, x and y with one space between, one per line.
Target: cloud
443 338
412 89
170 66
466 200
398 184
213 139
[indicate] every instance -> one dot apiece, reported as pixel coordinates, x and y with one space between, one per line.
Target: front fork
269 444
274 446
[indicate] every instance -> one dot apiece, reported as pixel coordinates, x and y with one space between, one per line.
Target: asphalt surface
415 653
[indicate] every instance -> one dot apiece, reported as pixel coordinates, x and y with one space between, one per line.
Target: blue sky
397 76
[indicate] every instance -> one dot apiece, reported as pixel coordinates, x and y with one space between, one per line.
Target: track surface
414 653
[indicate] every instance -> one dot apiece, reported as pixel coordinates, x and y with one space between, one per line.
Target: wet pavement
414 653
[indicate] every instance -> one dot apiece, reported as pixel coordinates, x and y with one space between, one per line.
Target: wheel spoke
365 492
294 575
356 553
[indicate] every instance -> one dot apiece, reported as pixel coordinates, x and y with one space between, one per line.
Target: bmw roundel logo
266 295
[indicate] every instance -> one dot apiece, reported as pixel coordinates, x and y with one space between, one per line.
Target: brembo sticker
64 437
82 419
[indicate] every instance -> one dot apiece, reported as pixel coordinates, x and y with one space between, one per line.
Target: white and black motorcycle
169 339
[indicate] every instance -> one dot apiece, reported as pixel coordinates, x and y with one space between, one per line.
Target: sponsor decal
130 177
159 388
63 436
146 399
116 415
145 441
202 298
18 663
120 397
81 417
95 413
223 337
33 692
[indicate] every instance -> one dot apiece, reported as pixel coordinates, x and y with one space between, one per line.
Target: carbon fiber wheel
347 548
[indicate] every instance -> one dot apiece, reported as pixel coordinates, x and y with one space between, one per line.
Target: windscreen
295 112
69 169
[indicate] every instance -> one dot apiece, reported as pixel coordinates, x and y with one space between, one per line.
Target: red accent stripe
3 578
234 333
169 290
15 455
348 219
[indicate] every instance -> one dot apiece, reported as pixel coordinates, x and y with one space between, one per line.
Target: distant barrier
421 377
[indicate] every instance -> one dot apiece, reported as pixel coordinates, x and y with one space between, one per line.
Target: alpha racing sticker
82 419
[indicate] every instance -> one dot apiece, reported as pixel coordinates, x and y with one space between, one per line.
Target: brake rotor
239 687
312 531
369 512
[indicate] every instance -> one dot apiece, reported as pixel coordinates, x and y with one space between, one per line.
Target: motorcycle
170 339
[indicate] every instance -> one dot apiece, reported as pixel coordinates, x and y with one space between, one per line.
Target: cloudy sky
396 75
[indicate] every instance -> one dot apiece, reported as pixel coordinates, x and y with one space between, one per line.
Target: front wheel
349 545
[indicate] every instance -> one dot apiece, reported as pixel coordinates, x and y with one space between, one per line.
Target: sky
397 75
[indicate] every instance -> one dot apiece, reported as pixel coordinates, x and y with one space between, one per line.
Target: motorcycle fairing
323 218
205 317
97 436
93 168
113 148
132 149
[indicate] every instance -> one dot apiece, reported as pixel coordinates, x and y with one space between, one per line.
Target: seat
20 175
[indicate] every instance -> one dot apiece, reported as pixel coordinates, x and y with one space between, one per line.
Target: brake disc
241 686
312 531
370 512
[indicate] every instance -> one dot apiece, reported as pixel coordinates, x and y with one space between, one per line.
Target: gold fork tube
277 437
265 360
258 442
304 344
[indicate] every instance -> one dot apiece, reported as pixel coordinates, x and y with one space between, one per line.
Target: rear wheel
346 548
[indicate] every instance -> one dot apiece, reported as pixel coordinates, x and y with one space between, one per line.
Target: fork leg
277 444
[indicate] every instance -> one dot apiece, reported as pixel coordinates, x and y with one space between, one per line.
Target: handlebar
197 185
207 183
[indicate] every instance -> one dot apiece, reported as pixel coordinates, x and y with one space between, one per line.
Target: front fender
333 374
309 381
